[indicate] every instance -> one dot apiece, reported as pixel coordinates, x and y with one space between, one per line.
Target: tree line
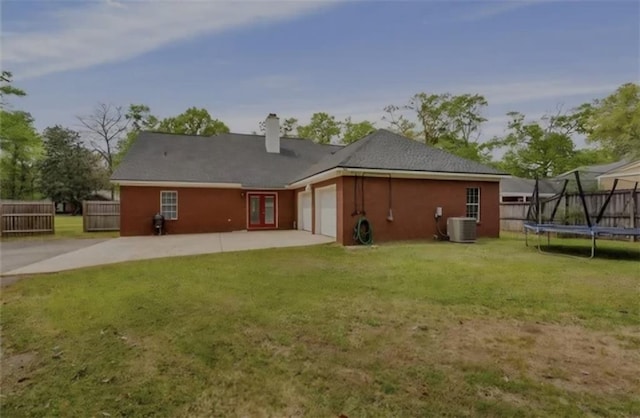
67 165
529 148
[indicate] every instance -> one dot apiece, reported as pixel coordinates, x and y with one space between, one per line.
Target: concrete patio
141 248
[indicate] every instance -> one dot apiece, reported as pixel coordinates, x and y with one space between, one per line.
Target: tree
430 111
351 132
140 119
398 122
105 128
445 117
322 128
614 122
6 89
464 117
193 121
21 148
591 156
537 149
70 172
443 120
286 127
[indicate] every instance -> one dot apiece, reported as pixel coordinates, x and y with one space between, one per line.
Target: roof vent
272 133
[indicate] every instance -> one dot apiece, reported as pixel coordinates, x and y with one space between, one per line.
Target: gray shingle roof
520 185
389 151
590 172
225 158
239 158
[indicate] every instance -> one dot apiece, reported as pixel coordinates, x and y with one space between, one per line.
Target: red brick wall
199 210
414 205
286 209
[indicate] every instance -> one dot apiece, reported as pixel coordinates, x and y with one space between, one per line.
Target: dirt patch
353 376
17 368
497 394
568 356
9 280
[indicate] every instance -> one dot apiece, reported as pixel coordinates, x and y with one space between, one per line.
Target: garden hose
363 233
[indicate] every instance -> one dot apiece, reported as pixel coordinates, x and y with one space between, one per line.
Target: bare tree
104 129
398 122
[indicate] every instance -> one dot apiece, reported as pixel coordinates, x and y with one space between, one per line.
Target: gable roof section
518 185
238 159
226 158
590 172
631 169
385 150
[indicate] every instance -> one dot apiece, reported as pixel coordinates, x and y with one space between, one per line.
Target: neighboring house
232 182
628 176
516 189
589 175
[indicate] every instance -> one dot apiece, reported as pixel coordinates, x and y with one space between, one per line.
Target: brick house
232 182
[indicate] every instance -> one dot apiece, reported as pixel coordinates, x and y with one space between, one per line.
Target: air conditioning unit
461 229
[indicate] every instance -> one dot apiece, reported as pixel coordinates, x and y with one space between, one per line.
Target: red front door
262 210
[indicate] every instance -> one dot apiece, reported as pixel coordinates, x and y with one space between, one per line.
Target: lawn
67 227
419 329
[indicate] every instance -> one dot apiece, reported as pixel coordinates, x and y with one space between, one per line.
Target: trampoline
535 224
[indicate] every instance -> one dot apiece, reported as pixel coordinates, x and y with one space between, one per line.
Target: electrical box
439 212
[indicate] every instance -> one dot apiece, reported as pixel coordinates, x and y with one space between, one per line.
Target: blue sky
242 60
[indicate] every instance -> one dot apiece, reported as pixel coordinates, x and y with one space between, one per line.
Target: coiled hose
363 233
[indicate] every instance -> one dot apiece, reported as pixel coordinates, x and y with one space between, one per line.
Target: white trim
300 196
274 189
169 191
527 194
429 174
317 178
466 198
325 175
373 172
177 184
317 221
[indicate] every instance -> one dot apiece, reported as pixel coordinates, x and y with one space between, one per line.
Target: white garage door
326 220
304 211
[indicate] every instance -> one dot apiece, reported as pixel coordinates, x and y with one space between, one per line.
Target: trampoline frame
592 230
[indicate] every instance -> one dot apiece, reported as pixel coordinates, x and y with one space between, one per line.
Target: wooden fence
100 216
622 211
26 218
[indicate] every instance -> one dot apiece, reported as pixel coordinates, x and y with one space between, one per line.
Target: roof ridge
151 131
352 148
295 138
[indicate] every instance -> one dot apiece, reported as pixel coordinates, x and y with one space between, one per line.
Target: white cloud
95 33
530 91
524 96
290 82
246 118
495 8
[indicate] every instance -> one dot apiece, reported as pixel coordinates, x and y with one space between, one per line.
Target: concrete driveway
20 253
140 248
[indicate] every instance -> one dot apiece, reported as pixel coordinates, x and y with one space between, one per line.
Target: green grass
416 329
67 227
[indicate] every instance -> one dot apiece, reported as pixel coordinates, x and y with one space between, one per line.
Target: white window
169 205
473 203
